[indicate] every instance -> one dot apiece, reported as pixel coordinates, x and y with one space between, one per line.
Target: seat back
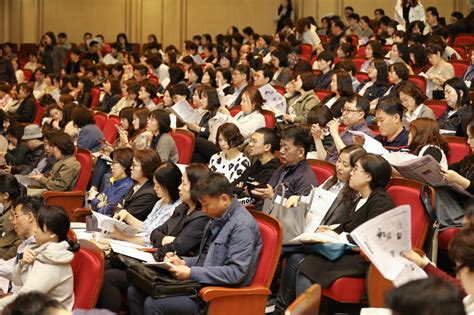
84 157
322 169
461 51
279 89
362 76
88 272
419 81
464 39
322 93
359 61
269 118
100 119
185 141
459 67
375 129
437 106
109 131
234 110
458 148
95 95
272 236
27 73
360 53
306 50
355 39
39 113
406 191
307 303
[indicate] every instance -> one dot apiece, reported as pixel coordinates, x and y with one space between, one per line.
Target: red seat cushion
85 159
445 237
86 268
109 131
185 144
457 151
95 95
100 120
346 290
269 239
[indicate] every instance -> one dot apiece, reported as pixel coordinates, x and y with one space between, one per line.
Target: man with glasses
262 146
240 80
354 112
23 219
295 173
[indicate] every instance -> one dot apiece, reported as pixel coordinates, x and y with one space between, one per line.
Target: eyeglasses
348 110
15 216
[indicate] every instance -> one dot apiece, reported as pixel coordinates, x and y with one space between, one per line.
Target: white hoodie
51 273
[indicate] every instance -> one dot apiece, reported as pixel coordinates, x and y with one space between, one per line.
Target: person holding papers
279 62
240 80
228 254
181 233
368 177
354 112
459 111
303 101
209 105
250 118
424 138
389 113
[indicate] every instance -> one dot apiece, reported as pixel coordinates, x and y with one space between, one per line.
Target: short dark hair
267 72
168 176
338 23
434 49
190 45
270 137
247 30
401 70
300 136
29 204
361 102
307 78
16 131
382 71
56 220
213 185
62 34
149 88
231 133
64 143
82 116
244 69
390 105
124 156
346 65
176 74
281 56
344 83
431 295
320 115
163 118
354 16
49 133
458 15
409 88
433 11
349 8
459 86
9 184
378 168
179 89
141 68
149 161
197 69
326 55
194 172
379 11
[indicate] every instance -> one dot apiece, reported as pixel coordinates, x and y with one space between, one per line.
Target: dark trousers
203 151
115 284
140 304
101 168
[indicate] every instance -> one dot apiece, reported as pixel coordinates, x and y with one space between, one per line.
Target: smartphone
252 185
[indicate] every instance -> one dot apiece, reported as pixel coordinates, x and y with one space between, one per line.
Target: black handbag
156 282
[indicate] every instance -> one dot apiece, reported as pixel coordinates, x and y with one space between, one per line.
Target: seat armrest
82 212
212 292
66 194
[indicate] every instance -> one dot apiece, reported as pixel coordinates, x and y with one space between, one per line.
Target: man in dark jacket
33 137
262 146
295 173
228 255
7 73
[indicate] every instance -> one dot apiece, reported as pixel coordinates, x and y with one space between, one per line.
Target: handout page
370 144
384 238
322 201
274 101
317 237
186 113
109 224
132 252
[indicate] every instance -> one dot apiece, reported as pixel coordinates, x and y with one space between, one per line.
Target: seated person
320 116
412 99
426 296
90 135
181 233
424 139
26 111
10 190
354 114
229 255
369 177
46 266
279 61
376 86
33 137
301 103
262 147
115 184
230 161
459 111
389 113
341 88
159 126
209 106
325 63
65 171
295 172
141 197
440 72
17 148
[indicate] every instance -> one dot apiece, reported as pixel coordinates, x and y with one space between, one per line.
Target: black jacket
141 203
336 108
32 158
187 230
26 111
374 91
84 98
108 102
256 173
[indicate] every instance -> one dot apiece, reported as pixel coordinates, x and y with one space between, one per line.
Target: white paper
322 201
370 144
274 101
384 239
108 224
447 132
375 311
132 252
186 113
4 284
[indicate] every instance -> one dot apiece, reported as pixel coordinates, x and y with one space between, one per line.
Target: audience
460 110
9 241
300 104
389 113
412 98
